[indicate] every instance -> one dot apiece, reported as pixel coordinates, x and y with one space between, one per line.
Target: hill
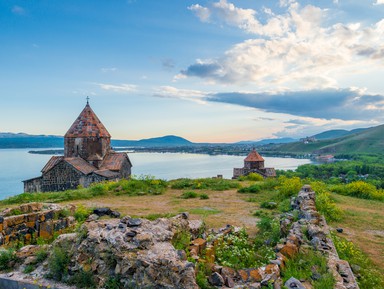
360 141
268 141
22 140
169 140
336 133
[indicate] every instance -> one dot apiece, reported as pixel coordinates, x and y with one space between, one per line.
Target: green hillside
367 141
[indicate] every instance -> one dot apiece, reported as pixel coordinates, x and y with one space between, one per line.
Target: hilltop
360 141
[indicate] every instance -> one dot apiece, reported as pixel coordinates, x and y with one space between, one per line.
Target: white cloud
379 2
18 10
117 88
293 49
108 69
185 94
202 12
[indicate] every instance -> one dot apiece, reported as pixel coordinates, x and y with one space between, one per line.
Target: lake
17 165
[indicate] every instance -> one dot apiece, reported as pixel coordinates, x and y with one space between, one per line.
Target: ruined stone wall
36 221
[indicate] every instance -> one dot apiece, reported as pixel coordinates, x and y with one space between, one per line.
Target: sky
208 71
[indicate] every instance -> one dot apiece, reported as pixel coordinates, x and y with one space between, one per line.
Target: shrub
58 264
304 265
82 213
251 177
268 205
370 277
189 195
324 204
113 283
7 257
181 240
205 184
359 189
29 268
204 197
82 279
289 186
41 255
253 189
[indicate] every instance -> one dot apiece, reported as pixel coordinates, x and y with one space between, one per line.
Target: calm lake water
17 165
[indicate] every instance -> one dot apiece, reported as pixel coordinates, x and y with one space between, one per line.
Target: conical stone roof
254 156
87 125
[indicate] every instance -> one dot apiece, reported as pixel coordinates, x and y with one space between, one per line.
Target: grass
363 223
305 265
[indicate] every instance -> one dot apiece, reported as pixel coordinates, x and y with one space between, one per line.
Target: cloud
343 104
296 48
299 121
168 64
202 12
108 69
185 94
18 10
117 88
379 2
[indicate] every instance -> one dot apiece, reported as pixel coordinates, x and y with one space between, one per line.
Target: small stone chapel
254 163
88 158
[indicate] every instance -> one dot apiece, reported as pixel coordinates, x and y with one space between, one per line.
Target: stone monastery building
254 163
88 158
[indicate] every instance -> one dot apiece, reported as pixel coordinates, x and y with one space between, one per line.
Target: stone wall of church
61 177
86 147
125 172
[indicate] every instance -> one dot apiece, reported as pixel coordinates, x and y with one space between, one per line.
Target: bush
268 205
204 197
370 277
253 189
7 257
29 268
289 187
205 184
58 264
181 240
189 195
41 255
82 279
359 189
324 204
304 265
82 213
113 283
251 177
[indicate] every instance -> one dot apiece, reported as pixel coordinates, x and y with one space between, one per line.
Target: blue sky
217 71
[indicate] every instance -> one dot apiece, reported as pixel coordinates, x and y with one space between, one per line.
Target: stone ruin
28 222
140 252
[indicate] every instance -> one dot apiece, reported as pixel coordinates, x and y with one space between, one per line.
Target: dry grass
363 224
222 207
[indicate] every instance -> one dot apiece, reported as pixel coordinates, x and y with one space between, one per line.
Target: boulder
293 283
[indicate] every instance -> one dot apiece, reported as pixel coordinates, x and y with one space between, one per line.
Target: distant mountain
267 141
22 140
169 140
370 140
336 133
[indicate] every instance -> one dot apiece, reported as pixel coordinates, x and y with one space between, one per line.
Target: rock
216 279
132 222
115 214
339 230
289 250
131 234
185 215
92 218
293 283
229 282
102 211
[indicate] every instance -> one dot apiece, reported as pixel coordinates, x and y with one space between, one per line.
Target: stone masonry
36 220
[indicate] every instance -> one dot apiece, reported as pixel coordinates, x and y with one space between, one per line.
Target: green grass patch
132 187
214 184
153 217
368 276
310 266
204 211
189 195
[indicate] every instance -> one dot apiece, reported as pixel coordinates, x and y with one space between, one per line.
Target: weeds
204 184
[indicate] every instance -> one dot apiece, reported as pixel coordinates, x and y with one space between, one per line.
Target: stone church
88 158
254 163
